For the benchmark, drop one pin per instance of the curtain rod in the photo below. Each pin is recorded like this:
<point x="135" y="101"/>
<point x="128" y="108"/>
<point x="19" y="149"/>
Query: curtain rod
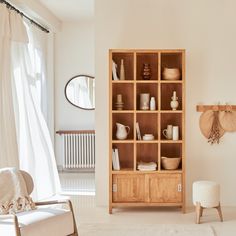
<point x="21" y="13"/>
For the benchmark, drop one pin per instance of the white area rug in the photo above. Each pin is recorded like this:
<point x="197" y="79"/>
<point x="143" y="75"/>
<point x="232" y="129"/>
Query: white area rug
<point x="144" y="230"/>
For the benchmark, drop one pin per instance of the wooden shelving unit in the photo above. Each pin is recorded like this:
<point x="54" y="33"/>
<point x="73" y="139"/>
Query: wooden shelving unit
<point x="129" y="186"/>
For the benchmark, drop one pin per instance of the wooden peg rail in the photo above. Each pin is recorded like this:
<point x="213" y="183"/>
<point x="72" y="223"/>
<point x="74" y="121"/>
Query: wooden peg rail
<point x="202" y="108"/>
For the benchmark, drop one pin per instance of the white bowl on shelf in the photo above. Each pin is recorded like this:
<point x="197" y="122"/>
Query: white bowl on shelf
<point x="171" y="73"/>
<point x="148" y="137"/>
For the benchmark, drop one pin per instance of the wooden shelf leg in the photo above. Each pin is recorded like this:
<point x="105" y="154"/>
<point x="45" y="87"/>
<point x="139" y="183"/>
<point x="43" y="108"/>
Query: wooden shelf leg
<point x="220" y="212"/>
<point x="198" y="212"/>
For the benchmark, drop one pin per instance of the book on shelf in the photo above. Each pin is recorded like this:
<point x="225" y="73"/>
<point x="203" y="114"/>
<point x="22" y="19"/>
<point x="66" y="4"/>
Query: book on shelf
<point x="138" y="131"/>
<point x="115" y="159"/>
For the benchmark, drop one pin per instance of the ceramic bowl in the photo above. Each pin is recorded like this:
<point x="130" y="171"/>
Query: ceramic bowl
<point x="148" y="137"/>
<point x="171" y="74"/>
<point x="170" y="163"/>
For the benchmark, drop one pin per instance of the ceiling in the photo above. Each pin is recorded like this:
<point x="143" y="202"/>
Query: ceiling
<point x="70" y="10"/>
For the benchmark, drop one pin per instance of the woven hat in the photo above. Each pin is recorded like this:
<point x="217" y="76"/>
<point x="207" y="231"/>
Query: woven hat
<point x="228" y="120"/>
<point x="205" y="123"/>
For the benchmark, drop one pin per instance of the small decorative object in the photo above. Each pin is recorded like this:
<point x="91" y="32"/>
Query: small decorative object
<point x="119" y="103"/>
<point x="122" y="70"/>
<point x="138" y="131"/>
<point x="216" y="120"/>
<point x="122" y="131"/>
<point x="171" y="73"/>
<point x="146" y="72"/>
<point x="170" y="163"/>
<point x="144" y="101"/>
<point x="168" y="133"/>
<point x="210" y="126"/>
<point x="214" y="136"/>
<point x="174" y="103"/>
<point x="152" y="104"/>
<point x="175" y="133"/>
<point x="148" y="137"/>
<point x="114" y="71"/>
<point x="227" y="119"/>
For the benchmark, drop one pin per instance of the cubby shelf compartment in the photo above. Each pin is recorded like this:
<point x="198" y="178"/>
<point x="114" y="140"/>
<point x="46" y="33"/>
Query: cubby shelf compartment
<point x="127" y="93"/>
<point x="147" y="152"/>
<point x="170" y="151"/>
<point x="148" y="123"/>
<point x="126" y="119"/>
<point x="126" y="155"/>
<point x="174" y="119"/>
<point x="167" y="93"/>
<point x="149" y="58"/>
<point x="150" y="88"/>
<point x="171" y="60"/>
<point x="128" y="64"/>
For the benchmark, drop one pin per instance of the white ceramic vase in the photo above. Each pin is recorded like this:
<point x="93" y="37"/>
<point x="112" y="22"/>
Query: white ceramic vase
<point x="122" y="70"/>
<point x="174" y="103"/>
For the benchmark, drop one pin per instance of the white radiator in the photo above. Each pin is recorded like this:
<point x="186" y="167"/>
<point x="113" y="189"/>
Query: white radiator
<point x="78" y="150"/>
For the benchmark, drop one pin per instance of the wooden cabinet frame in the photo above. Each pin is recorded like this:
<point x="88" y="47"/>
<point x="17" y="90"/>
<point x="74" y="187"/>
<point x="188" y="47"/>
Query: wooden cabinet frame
<point x="130" y="187"/>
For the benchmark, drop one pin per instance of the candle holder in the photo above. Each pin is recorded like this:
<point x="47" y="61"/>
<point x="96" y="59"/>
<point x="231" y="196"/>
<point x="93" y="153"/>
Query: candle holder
<point x="119" y="105"/>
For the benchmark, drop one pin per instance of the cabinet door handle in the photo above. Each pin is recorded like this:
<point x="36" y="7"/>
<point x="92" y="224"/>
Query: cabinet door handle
<point x="114" y="188"/>
<point x="179" y="188"/>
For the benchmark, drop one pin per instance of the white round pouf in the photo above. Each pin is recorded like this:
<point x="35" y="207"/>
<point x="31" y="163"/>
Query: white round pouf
<point x="207" y="193"/>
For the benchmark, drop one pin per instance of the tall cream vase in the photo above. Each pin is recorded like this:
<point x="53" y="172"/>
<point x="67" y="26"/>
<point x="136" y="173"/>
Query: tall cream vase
<point x="122" y="70"/>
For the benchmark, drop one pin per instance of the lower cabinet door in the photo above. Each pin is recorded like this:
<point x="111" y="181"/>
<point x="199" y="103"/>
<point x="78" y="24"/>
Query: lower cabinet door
<point x="128" y="188"/>
<point x="165" y="188"/>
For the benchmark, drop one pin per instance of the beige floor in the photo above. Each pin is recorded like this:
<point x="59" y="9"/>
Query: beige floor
<point x="81" y="189"/>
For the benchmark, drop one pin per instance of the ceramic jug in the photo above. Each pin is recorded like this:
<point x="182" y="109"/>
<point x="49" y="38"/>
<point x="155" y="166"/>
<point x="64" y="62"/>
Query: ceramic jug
<point x="122" y="131"/>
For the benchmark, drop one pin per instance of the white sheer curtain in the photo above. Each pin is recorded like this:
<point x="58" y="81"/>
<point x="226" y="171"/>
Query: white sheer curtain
<point x="35" y="148"/>
<point x="11" y="29"/>
<point x="25" y="62"/>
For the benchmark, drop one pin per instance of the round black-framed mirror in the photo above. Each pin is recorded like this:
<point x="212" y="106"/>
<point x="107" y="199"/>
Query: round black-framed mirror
<point x="80" y="92"/>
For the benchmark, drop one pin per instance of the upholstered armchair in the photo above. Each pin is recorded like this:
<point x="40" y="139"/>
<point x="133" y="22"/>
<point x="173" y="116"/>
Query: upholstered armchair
<point x="43" y="221"/>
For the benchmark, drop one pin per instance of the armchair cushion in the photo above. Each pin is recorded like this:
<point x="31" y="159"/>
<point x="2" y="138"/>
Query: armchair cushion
<point x="42" y="222"/>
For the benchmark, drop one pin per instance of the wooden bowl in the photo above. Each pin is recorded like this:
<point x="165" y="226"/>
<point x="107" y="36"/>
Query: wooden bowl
<point x="171" y="74"/>
<point x="170" y="163"/>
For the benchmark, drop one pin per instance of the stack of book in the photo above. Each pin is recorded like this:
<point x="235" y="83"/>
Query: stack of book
<point x="115" y="159"/>
<point x="147" y="166"/>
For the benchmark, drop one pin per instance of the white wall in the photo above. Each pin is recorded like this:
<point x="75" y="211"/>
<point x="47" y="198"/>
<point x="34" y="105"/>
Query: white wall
<point x="206" y="29"/>
<point x="74" y="55"/>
